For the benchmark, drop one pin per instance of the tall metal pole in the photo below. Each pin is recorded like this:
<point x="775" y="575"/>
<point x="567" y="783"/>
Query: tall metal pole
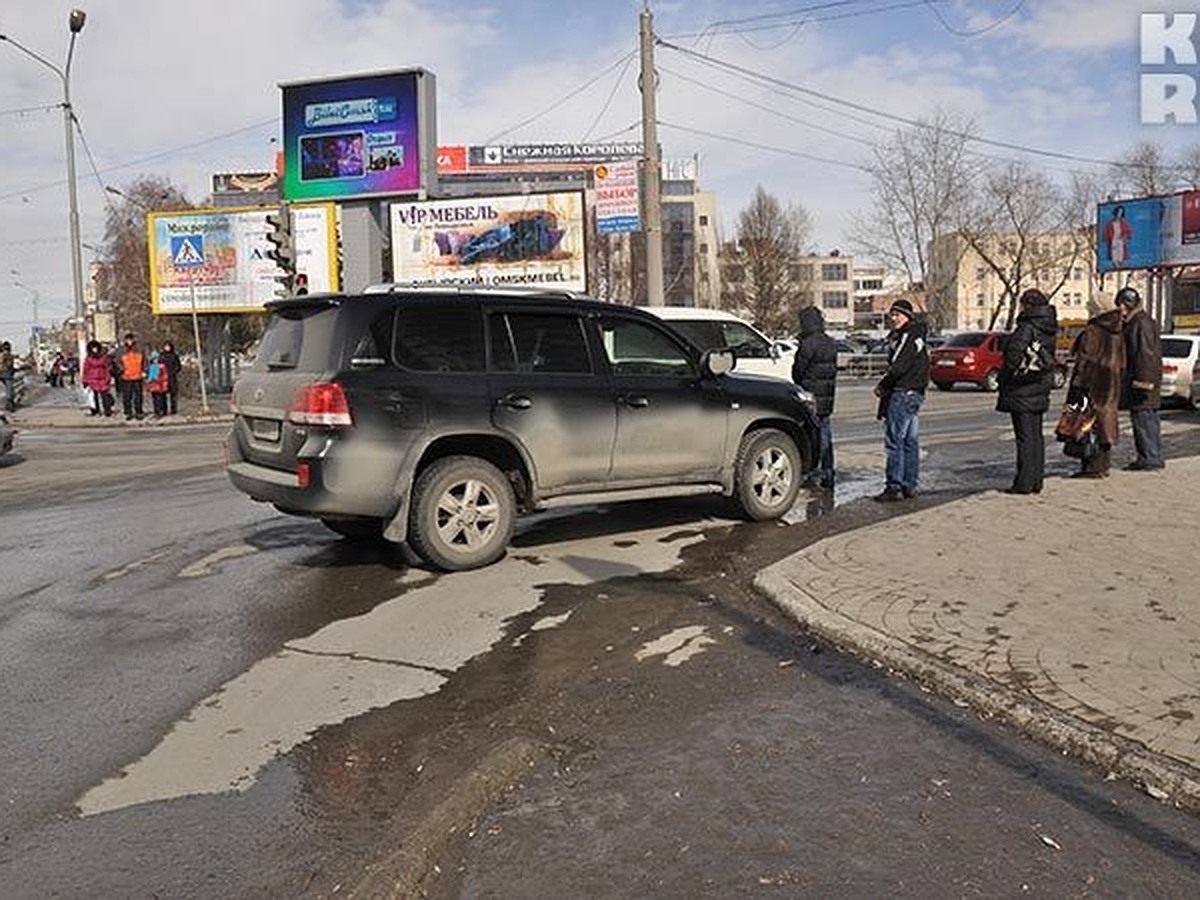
<point x="199" y="351"/>
<point x="73" y="202"/>
<point x="651" y="164"/>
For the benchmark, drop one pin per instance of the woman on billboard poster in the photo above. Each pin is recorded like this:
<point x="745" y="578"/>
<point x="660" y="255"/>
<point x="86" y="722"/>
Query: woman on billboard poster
<point x="1117" y="235"/>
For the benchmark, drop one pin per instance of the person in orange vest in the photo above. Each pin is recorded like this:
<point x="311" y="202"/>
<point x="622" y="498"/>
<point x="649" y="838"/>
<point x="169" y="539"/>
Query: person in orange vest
<point x="133" y="373"/>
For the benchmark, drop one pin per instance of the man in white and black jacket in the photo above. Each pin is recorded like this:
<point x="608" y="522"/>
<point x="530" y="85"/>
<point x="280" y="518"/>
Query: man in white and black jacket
<point x="901" y="392"/>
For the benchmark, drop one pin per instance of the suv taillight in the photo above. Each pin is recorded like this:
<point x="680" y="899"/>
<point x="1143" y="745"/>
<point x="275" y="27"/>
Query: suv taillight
<point x="969" y="358"/>
<point x="322" y="403"/>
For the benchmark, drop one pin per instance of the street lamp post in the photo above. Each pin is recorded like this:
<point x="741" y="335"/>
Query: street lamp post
<point x="75" y="22"/>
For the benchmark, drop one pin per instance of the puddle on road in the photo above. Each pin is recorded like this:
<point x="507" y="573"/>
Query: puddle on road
<point x="404" y="648"/>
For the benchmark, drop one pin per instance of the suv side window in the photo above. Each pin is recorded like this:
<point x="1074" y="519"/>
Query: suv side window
<point x="638" y="348"/>
<point x="746" y="343"/>
<point x="539" y="342"/>
<point x="440" y="338"/>
<point x="375" y="345"/>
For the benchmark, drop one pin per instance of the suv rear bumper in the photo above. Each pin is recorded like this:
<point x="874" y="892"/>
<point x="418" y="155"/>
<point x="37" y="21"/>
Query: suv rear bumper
<point x="282" y="489"/>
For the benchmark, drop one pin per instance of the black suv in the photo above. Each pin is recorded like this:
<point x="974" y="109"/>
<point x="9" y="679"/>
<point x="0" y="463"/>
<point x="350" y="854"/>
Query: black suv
<point x="434" y="416"/>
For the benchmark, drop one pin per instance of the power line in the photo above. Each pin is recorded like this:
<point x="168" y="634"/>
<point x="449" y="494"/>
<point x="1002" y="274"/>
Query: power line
<point x="785" y="151"/>
<point x="150" y="158"/>
<point x="976" y="32"/>
<point x="26" y="110"/>
<point x="553" y="106"/>
<point x="893" y="7"/>
<point x="892" y="117"/>
<point x="612" y="93"/>
<point x="775" y="112"/>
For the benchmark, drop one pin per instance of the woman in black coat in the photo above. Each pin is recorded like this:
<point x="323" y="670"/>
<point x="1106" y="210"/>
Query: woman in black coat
<point x="1025" y="382"/>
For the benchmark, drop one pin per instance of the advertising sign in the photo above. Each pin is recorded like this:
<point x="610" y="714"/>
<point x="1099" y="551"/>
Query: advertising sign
<point x="617" y="206"/>
<point x="1130" y="234"/>
<point x="223" y="254"/>
<point x="361" y="136"/>
<point x="524" y="239"/>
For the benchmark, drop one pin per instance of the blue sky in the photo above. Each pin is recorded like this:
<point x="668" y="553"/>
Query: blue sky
<point x="182" y="90"/>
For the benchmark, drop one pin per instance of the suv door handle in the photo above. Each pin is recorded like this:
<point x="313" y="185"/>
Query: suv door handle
<point x="515" y="401"/>
<point x="634" y="401"/>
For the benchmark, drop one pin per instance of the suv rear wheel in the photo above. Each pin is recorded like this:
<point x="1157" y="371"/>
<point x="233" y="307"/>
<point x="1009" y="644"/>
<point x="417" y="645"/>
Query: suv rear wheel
<point x="768" y="474"/>
<point x="463" y="513"/>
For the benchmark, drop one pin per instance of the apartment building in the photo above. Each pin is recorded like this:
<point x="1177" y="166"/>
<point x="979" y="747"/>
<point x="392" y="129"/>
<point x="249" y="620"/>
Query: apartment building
<point x="823" y="281"/>
<point x="964" y="290"/>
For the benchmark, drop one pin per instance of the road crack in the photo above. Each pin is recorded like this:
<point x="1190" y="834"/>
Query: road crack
<point x="361" y="657"/>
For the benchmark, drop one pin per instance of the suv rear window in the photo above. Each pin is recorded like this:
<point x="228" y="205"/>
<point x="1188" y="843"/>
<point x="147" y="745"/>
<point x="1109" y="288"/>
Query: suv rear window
<point x="440" y="339"/>
<point x="1175" y="348"/>
<point x="971" y="339"/>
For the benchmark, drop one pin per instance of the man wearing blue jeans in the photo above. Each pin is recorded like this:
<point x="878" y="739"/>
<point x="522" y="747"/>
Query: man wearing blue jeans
<point x="901" y="392"/>
<point x="1143" y="377"/>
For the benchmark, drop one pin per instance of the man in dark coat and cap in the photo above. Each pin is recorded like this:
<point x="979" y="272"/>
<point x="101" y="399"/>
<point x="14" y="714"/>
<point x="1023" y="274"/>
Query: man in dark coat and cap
<point x="901" y="392"/>
<point x="1025" y="382"/>
<point x="815" y="370"/>
<point x="1143" y="377"/>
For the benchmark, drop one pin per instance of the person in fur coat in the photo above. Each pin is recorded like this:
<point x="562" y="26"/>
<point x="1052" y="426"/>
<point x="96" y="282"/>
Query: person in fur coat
<point x="1099" y="372"/>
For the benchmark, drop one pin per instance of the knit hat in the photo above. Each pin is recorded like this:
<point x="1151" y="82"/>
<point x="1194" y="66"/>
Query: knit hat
<point x="1034" y="297"/>
<point x="1129" y="297"/>
<point x="901" y="306"/>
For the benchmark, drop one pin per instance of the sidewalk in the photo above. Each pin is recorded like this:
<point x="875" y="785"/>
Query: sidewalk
<point x="47" y="407"/>
<point x="1074" y="615"/>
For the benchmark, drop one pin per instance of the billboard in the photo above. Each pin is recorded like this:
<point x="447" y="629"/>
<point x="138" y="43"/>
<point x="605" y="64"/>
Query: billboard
<point x="360" y="136"/>
<point x="617" y="198"/>
<point x="1149" y="232"/>
<point x="523" y="239"/>
<point x="223" y="254"/>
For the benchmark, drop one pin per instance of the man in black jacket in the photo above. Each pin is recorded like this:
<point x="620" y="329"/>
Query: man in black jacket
<point x="1143" y="376"/>
<point x="815" y="370"/>
<point x="1025" y="382"/>
<point x="901" y="392"/>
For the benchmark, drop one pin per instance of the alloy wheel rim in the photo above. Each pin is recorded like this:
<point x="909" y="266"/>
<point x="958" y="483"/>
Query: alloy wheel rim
<point x="467" y="515"/>
<point x="772" y="476"/>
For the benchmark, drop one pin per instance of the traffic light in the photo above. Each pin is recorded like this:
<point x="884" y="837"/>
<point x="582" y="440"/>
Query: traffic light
<point x="283" y="249"/>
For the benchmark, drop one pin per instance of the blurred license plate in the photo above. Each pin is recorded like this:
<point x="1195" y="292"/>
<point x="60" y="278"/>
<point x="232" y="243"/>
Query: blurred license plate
<point x="945" y="362"/>
<point x="265" y="429"/>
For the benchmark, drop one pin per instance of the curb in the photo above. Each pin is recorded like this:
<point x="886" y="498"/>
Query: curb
<point x="174" y="422"/>
<point x="1163" y="778"/>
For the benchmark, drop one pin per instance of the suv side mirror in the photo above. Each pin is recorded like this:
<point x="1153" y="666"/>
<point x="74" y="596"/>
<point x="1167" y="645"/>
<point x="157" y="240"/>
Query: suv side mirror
<point x="718" y="362"/>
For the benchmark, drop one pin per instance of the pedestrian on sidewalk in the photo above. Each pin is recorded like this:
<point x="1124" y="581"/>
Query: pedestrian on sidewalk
<point x="156" y="381"/>
<point x="170" y="359"/>
<point x="901" y="392"/>
<point x="815" y="369"/>
<point x="133" y="374"/>
<point x="97" y="378"/>
<point x="58" y="369"/>
<point x="1025" y="382"/>
<point x="8" y="375"/>
<point x="1099" y="353"/>
<point x="1143" y="377"/>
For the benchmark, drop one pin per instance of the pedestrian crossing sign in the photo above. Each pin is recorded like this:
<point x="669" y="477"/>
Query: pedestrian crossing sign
<point x="187" y="251"/>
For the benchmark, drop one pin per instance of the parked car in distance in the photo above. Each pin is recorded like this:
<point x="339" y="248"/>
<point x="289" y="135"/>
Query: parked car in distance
<point x="976" y="357"/>
<point x="710" y="329"/>
<point x="434" y="416"/>
<point x="1180" y="368"/>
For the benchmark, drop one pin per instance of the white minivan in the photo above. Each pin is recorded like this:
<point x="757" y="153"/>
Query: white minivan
<point x="714" y="328"/>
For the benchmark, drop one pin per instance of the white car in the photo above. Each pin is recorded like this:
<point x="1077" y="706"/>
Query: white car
<point x="1180" y="368"/>
<point x="710" y="329"/>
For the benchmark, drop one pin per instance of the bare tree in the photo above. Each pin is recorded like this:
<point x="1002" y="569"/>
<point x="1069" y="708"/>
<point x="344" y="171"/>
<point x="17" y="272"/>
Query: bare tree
<point x="1189" y="168"/>
<point x="921" y="179"/>
<point x="125" y="277"/>
<point x="1026" y="230"/>
<point x="767" y="280"/>
<point x="1144" y="171"/>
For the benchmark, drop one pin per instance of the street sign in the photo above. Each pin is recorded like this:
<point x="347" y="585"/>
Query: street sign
<point x="187" y="251"/>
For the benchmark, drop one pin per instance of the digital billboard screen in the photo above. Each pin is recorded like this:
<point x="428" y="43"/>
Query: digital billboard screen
<point x="359" y="136"/>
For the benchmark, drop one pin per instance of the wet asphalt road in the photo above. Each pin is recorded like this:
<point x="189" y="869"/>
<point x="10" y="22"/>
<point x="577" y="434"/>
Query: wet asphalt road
<point x="205" y="698"/>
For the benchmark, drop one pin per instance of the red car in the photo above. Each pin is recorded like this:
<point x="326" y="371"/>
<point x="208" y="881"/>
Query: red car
<point x="977" y="357"/>
<point x="973" y="356"/>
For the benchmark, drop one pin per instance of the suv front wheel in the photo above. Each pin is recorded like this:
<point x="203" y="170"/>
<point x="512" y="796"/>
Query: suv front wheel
<point x="463" y="513"/>
<point x="768" y="474"/>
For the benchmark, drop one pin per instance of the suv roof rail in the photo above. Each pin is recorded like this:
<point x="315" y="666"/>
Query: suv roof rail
<point x="514" y="290"/>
